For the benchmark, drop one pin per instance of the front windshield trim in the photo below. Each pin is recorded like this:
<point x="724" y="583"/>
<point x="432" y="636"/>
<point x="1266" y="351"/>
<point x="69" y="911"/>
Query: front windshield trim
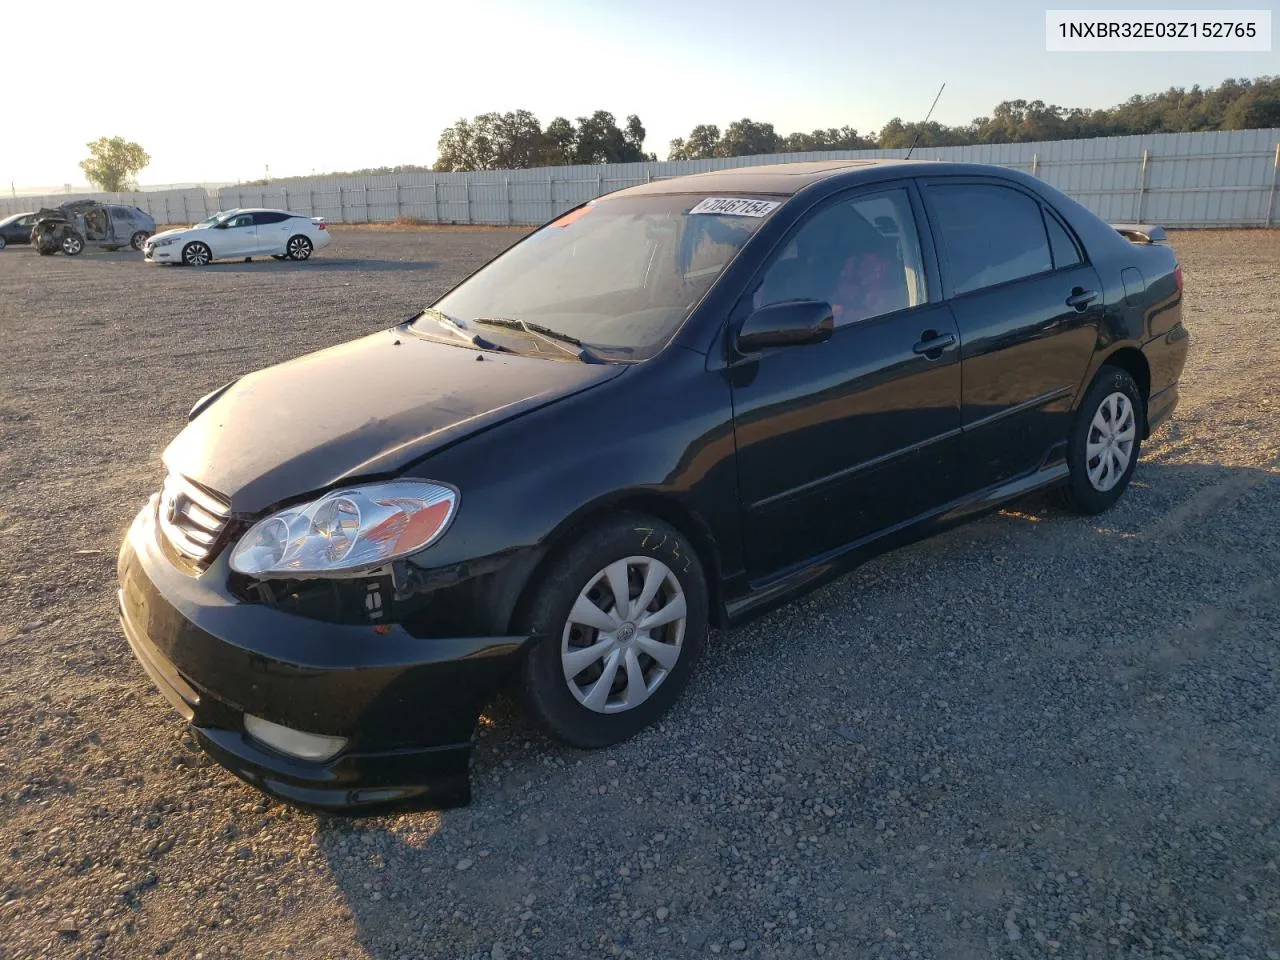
<point x="608" y="352"/>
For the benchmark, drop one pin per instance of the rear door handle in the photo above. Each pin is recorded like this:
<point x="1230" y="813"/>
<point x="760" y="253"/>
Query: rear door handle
<point x="934" y="345"/>
<point x="1081" y="298"/>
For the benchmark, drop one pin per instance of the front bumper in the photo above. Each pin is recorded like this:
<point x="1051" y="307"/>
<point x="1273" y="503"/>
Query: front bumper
<point x="169" y="253"/>
<point x="408" y="706"/>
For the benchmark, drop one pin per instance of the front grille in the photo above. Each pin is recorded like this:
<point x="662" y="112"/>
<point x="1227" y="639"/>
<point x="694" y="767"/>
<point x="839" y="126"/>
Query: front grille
<point x="191" y="518"/>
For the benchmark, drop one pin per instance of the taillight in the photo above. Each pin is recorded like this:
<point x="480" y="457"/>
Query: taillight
<point x="322" y="227"/>
<point x="1177" y="276"/>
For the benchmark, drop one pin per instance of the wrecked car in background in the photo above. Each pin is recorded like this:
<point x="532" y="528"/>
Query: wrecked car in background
<point x="71" y="226"/>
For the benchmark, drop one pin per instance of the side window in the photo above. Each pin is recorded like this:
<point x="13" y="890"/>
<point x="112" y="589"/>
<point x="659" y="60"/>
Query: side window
<point x="243" y="220"/>
<point x="1065" y="251"/>
<point x="122" y="213"/>
<point x="990" y="235"/>
<point x="264" y="219"/>
<point x="862" y="256"/>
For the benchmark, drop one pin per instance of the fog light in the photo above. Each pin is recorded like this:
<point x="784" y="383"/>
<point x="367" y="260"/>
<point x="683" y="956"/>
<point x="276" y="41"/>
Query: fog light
<point x="307" y="746"/>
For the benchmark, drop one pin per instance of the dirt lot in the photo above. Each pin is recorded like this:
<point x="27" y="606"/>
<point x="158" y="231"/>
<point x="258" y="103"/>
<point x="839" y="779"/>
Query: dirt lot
<point x="1072" y="749"/>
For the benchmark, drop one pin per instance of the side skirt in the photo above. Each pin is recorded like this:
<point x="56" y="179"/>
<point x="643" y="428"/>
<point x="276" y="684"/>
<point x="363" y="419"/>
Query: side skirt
<point x="766" y="595"/>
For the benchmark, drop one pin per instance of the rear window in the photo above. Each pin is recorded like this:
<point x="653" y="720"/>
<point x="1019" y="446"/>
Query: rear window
<point x="990" y="234"/>
<point x="262" y="219"/>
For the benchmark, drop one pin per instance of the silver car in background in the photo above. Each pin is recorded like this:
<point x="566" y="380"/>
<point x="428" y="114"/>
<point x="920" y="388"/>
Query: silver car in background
<point x="72" y="226"/>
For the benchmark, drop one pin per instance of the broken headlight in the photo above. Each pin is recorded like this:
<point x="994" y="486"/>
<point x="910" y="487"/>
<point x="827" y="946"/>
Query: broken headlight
<point x="348" y="532"/>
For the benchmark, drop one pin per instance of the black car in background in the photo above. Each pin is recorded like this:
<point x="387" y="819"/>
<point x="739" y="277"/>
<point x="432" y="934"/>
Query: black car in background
<point x="16" y="228"/>
<point x="673" y="407"/>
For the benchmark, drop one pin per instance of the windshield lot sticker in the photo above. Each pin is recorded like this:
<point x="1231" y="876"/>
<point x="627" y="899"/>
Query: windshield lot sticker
<point x="736" y="207"/>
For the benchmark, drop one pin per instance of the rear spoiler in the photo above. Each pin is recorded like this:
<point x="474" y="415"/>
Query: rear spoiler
<point x="1141" y="232"/>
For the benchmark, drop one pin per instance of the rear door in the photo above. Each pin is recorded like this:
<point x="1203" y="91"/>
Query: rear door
<point x="273" y="231"/>
<point x="122" y="226"/>
<point x="1028" y="305"/>
<point x="840" y="440"/>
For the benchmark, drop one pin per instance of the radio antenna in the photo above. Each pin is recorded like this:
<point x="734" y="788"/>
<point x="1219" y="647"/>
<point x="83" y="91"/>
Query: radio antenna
<point x="926" y="120"/>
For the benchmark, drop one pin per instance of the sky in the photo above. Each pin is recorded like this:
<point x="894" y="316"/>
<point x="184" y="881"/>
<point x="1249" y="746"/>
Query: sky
<point x="231" y="91"/>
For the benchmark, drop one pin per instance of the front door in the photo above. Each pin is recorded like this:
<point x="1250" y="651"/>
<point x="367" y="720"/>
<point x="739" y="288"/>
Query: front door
<point x="837" y="441"/>
<point x="1028" y="306"/>
<point x="239" y="238"/>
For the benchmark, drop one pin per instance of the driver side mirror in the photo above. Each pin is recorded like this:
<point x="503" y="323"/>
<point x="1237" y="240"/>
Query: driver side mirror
<point x="787" y="324"/>
<point x="221" y="225"/>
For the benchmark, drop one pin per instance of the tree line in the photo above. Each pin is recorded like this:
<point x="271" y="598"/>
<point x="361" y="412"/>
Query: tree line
<point x="517" y="140"/>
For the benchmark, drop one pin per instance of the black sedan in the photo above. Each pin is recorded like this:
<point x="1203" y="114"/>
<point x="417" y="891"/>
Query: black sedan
<point x="17" y="228"/>
<point x="673" y="407"/>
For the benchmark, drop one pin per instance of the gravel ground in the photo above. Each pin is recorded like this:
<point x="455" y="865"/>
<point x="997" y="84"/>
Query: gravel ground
<point x="1072" y="750"/>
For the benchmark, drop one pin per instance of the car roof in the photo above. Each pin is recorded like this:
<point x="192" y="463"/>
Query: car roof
<point x="788" y="178"/>
<point x="265" y="210"/>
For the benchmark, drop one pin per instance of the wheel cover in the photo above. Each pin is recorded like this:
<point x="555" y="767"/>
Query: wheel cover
<point x="197" y="255"/>
<point x="299" y="248"/>
<point x="1109" y="445"/>
<point x="624" y="634"/>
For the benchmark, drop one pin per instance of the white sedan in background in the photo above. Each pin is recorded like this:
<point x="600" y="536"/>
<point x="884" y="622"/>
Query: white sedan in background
<point x="240" y="235"/>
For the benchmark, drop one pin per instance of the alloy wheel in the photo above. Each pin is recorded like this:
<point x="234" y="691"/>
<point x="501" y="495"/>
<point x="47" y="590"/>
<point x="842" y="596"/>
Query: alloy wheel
<point x="196" y="255"/>
<point x="72" y="245"/>
<point x="1109" y="446"/>
<point x="299" y="248"/>
<point x="624" y="634"/>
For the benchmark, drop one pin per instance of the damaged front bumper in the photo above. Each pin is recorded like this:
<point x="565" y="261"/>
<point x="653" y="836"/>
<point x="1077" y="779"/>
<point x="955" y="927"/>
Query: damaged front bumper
<point x="403" y="707"/>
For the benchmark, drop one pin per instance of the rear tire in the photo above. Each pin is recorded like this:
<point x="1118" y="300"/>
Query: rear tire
<point x="600" y="673"/>
<point x="138" y="239"/>
<point x="1105" y="443"/>
<point x="298" y="248"/>
<point x="73" y="245"/>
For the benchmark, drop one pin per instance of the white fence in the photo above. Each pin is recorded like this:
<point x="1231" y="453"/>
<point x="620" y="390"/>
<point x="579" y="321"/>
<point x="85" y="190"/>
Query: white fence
<point x="1177" y="179"/>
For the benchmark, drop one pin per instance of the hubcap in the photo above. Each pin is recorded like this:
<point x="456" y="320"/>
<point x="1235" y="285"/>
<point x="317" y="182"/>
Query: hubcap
<point x="624" y="634"/>
<point x="1109" y="446"/>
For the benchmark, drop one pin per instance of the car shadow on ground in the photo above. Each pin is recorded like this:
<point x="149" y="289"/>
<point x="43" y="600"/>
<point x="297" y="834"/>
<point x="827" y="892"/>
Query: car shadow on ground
<point x="426" y="882"/>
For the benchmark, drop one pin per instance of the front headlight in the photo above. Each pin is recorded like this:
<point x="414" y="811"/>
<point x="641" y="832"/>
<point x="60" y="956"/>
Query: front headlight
<point x="347" y="532"/>
<point x="165" y="242"/>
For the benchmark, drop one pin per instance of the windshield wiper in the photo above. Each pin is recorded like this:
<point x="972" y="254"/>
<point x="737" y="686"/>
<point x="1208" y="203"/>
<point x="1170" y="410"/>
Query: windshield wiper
<point x="457" y="326"/>
<point x="562" y="341"/>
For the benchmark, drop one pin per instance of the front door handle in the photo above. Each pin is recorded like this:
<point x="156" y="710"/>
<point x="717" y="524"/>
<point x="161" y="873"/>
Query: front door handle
<point x="933" y="344"/>
<point x="1081" y="298"/>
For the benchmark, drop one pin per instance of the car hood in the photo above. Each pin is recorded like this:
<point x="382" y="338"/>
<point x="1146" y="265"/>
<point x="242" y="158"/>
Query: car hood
<point x="170" y="233"/>
<point x="361" y="409"/>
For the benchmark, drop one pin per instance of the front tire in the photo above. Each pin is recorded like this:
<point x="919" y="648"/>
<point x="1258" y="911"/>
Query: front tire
<point x="298" y="248"/>
<point x="196" y="254"/>
<point x="622" y="619"/>
<point x="1105" y="442"/>
<point x="2" y="243"/>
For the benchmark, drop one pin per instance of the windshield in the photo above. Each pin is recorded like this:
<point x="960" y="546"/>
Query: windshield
<point x="619" y="275"/>
<point x="210" y="221"/>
